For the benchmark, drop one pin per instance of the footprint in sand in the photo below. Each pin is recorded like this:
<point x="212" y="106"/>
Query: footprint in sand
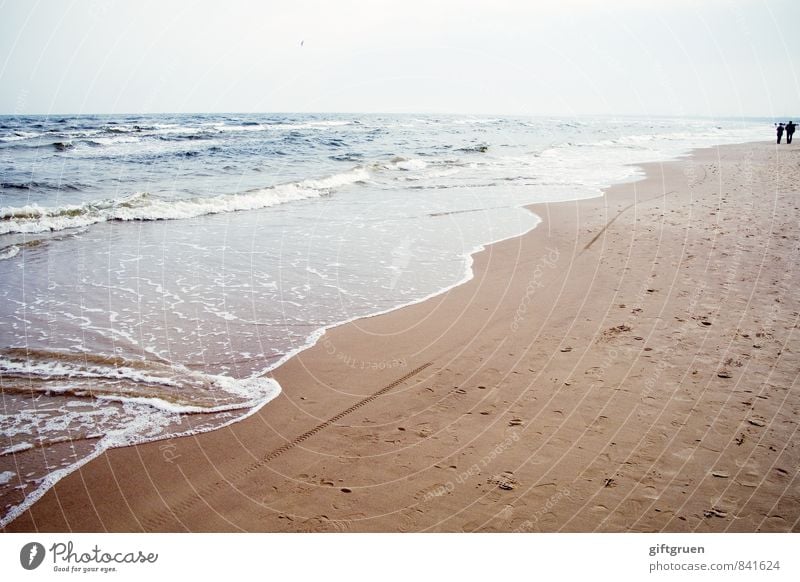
<point x="506" y="514"/>
<point x="407" y="520"/>
<point x="343" y="504"/>
<point x="423" y="430"/>
<point x="322" y="523"/>
<point x="505" y="481"/>
<point x="491" y="497"/>
<point x="648" y="492"/>
<point x="432" y="492"/>
<point x="632" y="507"/>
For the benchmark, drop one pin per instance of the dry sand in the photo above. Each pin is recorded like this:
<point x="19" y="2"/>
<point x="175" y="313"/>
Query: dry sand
<point x="629" y="365"/>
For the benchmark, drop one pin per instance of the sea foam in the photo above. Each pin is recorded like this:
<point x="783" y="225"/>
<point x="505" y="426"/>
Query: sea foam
<point x="144" y="207"/>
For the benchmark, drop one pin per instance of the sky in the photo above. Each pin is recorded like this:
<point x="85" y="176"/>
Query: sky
<point x="716" y="58"/>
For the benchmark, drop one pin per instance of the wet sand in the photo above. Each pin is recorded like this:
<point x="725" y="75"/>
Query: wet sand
<point x="629" y="365"/>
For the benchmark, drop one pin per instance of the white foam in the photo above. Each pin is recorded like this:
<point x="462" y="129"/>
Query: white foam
<point x="444" y="173"/>
<point x="476" y="121"/>
<point x="409" y="165"/>
<point x="311" y="124"/>
<point x="16" y="448"/>
<point x="9" y="252"/>
<point x="230" y="128"/>
<point x="57" y="369"/>
<point x="19" y="135"/>
<point x="405" y="164"/>
<point x="174" y="408"/>
<point x="108" y="141"/>
<point x="6" y="476"/>
<point x="143" y="430"/>
<point x="141" y="206"/>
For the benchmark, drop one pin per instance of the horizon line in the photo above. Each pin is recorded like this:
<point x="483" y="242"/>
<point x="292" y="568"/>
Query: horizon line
<point x="480" y="114"/>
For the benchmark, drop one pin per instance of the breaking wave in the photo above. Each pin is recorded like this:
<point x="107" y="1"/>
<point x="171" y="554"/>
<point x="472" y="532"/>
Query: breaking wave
<point x="144" y="207"/>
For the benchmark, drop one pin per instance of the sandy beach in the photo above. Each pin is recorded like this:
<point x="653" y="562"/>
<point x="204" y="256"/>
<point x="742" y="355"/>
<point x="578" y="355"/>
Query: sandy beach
<point x="631" y="364"/>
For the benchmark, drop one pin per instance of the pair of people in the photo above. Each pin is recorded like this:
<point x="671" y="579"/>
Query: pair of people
<point x="789" y="128"/>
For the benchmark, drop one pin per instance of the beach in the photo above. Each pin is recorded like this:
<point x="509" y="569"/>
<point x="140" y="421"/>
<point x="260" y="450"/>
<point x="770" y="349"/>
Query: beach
<point x="630" y="364"/>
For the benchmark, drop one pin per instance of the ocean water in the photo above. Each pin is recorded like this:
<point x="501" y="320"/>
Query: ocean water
<point x="154" y="268"/>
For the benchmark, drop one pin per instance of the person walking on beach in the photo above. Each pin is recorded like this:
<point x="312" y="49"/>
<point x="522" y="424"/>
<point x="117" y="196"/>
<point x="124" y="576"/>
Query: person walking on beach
<point x="790" y="131"/>
<point x="780" y="132"/>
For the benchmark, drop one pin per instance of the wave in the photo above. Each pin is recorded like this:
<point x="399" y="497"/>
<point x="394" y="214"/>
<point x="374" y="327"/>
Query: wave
<point x="16" y="448"/>
<point x="122" y="128"/>
<point x="224" y="128"/>
<point x="19" y="135"/>
<point x="477" y="121"/>
<point x="311" y="124"/>
<point x="144" y="207"/>
<point x="124" y="412"/>
<point x="481" y="148"/>
<point x="9" y="252"/>
<point x="108" y="141"/>
<point x="115" y="134"/>
<point x="40" y="185"/>
<point x="348" y="157"/>
<point x="403" y="164"/>
<point x="157" y="384"/>
<point x="643" y="141"/>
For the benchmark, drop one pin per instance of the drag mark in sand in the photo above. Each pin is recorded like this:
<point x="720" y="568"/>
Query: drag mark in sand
<point x="160" y="518"/>
<point x="628" y="207"/>
<point x="297" y="440"/>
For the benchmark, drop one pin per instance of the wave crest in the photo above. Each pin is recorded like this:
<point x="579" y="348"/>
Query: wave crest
<point x="142" y="206"/>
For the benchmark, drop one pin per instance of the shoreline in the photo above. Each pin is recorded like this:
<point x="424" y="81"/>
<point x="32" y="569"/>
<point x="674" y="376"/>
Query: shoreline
<point x="315" y="399"/>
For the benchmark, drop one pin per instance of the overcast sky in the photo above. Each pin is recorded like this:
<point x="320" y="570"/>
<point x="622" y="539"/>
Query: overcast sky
<point x="638" y="57"/>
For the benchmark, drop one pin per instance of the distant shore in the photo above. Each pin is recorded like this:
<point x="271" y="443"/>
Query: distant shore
<point x="628" y="365"/>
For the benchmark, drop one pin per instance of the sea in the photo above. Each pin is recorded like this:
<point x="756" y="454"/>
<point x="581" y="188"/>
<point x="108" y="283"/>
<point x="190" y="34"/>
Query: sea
<point x="155" y="268"/>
